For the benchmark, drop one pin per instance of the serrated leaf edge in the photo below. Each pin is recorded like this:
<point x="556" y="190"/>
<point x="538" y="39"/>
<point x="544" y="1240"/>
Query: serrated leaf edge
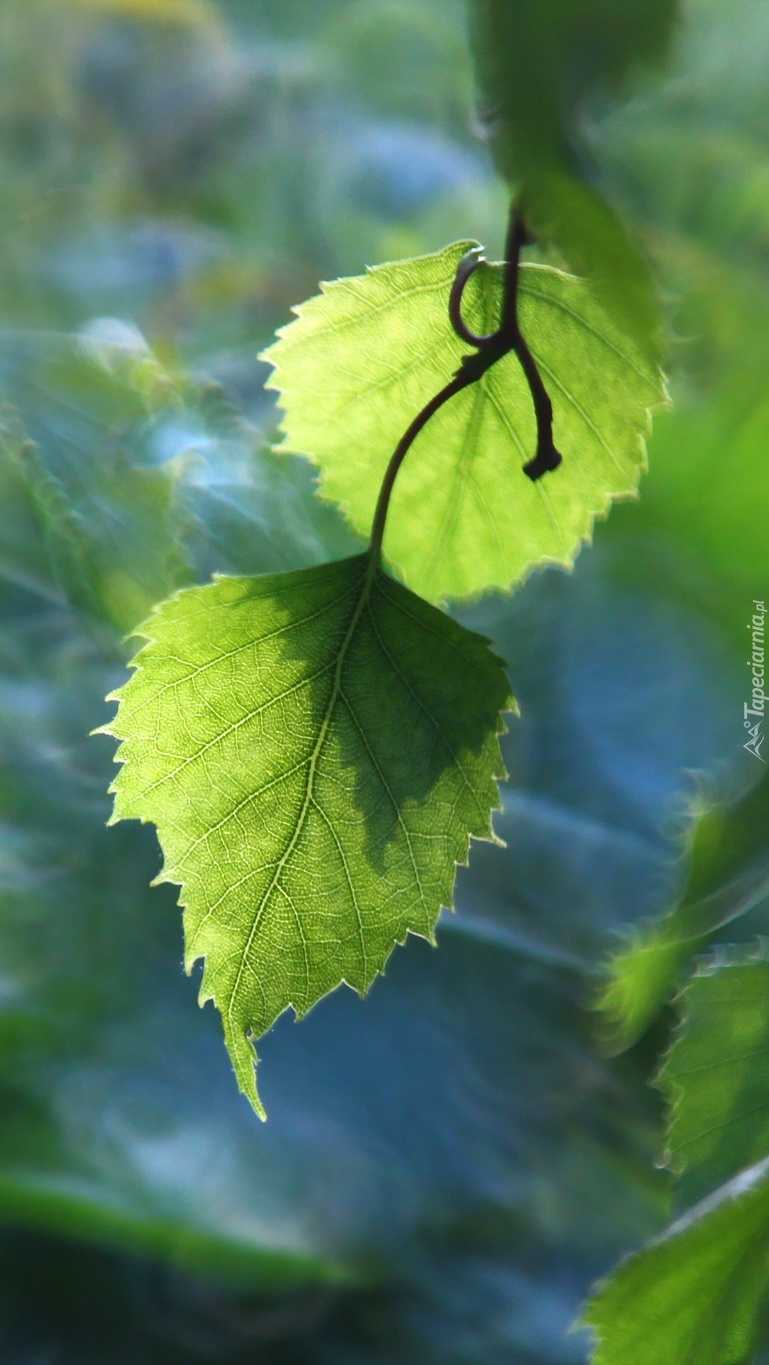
<point x="245" y="1047"/>
<point x="593" y="516"/>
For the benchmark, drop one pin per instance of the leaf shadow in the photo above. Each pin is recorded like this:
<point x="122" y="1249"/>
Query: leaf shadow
<point x="409" y="717"/>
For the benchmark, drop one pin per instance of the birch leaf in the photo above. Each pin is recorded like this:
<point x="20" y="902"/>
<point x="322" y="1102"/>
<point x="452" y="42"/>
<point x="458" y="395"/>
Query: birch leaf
<point x="315" y="749"/>
<point x="367" y="354"/>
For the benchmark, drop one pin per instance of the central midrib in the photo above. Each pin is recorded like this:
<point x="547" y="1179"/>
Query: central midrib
<point x="312" y="765"/>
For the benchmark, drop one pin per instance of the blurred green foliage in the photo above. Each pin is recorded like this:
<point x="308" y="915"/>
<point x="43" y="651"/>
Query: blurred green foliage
<point x="714" y="1075"/>
<point x="447" y="1166"/>
<point x="725" y="845"/>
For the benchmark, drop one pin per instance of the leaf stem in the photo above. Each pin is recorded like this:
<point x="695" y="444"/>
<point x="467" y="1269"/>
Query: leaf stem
<point x="460" y="381"/>
<point x="488" y="350"/>
<point x="518" y="237"/>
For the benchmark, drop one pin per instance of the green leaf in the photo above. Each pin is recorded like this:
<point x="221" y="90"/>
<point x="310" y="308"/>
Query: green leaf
<point x="538" y="64"/>
<point x="716" y="1075"/>
<point x="365" y="356"/>
<point x="694" y="1296"/>
<point x="592" y="241"/>
<point x="315" y="749"/>
<point x="727" y="846"/>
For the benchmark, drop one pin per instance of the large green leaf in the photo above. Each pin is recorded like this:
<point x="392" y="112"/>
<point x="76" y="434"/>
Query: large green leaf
<point x="315" y="749"/>
<point x="694" y="1296"/>
<point x="728" y="851"/>
<point x="716" y="1075"/>
<point x="365" y="356"/>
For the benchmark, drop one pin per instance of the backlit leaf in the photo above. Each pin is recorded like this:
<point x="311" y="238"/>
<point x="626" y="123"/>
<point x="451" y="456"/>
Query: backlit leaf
<point x="363" y="358"/>
<point x="315" y="749"/>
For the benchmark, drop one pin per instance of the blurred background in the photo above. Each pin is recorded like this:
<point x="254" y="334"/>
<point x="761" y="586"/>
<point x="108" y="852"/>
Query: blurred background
<point x="448" y="1165"/>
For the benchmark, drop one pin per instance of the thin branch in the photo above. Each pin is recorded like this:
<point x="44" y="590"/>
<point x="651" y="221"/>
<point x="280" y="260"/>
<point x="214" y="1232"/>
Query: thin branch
<point x="546" y="457"/>
<point x="517" y="238"/>
<point x="408" y="438"/>
<point x="489" y="349"/>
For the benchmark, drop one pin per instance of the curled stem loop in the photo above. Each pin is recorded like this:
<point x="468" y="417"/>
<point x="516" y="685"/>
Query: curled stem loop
<point x="467" y="267"/>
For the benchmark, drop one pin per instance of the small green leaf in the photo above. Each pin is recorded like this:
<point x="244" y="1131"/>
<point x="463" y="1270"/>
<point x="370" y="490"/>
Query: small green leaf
<point x="728" y="852"/>
<point x="716" y="1075"/>
<point x="367" y="354"/>
<point x="315" y="749"/>
<point x="692" y="1297"/>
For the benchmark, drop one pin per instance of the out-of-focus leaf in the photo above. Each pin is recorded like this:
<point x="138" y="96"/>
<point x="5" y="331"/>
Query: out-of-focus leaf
<point x="130" y="477"/>
<point x="315" y="749"/>
<point x="728" y="854"/>
<point x="696" y="1295"/>
<point x="587" y="234"/>
<point x="538" y="64"/>
<point x="711" y="475"/>
<point x="108" y="510"/>
<point x="364" y="357"/>
<point x="716" y="1075"/>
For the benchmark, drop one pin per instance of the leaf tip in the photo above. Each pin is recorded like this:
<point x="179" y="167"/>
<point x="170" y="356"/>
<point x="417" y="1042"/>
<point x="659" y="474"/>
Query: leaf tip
<point x="244" y="1061"/>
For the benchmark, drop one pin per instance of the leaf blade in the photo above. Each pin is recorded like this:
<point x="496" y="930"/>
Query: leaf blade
<point x="362" y="359"/>
<point x="264" y="733"/>
<point x="694" y="1295"/>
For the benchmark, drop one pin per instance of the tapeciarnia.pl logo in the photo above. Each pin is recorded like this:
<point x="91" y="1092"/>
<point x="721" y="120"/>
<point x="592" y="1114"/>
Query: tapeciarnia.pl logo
<point x="753" y="711"/>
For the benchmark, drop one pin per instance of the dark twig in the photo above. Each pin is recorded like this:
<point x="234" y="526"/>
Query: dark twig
<point x="467" y="267"/>
<point x="459" y="382"/>
<point x="488" y="350"/>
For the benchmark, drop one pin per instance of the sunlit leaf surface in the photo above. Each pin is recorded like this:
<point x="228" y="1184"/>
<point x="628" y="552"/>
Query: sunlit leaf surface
<point x="364" y="357"/>
<point x="315" y="749"/>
